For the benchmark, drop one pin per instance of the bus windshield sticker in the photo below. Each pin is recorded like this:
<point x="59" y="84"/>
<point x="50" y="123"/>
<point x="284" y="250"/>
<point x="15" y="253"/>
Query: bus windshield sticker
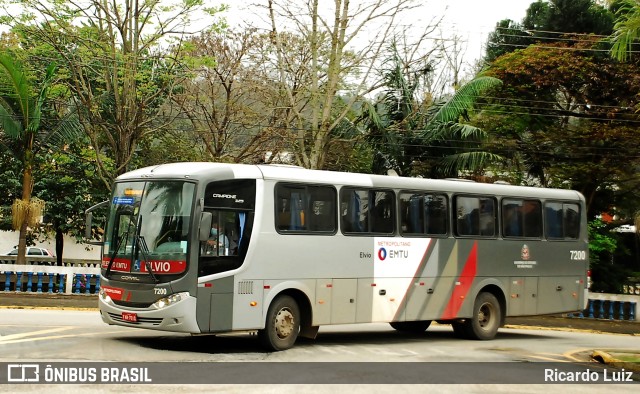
<point x="123" y="200"/>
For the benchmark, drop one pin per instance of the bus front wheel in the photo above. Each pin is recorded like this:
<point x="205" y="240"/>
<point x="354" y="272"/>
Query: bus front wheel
<point x="486" y="318"/>
<point x="282" y="324"/>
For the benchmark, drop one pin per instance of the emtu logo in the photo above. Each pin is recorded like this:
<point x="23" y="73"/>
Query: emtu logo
<point x="382" y="254"/>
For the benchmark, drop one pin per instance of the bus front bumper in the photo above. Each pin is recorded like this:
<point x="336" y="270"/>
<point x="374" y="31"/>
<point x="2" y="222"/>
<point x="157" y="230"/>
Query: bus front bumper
<point x="178" y="317"/>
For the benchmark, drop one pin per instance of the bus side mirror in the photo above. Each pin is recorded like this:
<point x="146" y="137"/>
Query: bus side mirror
<point x="88" y="236"/>
<point x="205" y="226"/>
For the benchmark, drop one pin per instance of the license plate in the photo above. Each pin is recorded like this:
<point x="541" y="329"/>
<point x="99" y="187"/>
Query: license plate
<point x="130" y="317"/>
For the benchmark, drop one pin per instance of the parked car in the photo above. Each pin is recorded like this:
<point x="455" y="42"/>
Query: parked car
<point x="32" y="252"/>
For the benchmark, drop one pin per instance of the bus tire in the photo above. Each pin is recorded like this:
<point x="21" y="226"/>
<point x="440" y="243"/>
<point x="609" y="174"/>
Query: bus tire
<point x="486" y="318"/>
<point x="411" y="326"/>
<point x="282" y="324"/>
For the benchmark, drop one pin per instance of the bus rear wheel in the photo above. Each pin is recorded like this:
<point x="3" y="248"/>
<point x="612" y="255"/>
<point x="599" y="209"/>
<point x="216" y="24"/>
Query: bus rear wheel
<point x="486" y="318"/>
<point x="411" y="326"/>
<point x="282" y="324"/>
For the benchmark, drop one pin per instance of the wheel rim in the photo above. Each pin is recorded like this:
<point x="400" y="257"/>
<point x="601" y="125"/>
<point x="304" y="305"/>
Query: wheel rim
<point x="284" y="323"/>
<point x="486" y="315"/>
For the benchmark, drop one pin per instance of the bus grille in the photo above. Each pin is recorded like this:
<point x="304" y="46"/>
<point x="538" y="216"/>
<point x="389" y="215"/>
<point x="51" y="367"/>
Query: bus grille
<point x="245" y="287"/>
<point x="154" y="321"/>
<point x="132" y="304"/>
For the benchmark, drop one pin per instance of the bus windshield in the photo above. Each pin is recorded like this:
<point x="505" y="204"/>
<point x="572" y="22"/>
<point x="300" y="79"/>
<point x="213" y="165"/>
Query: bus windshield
<point x="148" y="228"/>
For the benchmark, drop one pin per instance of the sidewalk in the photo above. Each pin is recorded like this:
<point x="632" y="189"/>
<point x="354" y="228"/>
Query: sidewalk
<point x="46" y="300"/>
<point x="594" y="325"/>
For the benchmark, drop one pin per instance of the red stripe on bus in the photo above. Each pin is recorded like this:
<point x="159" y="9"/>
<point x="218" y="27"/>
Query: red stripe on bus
<point x="460" y="291"/>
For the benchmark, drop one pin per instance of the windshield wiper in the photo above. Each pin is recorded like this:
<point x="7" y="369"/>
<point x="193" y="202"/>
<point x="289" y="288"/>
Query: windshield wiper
<point x="114" y="254"/>
<point x="142" y="245"/>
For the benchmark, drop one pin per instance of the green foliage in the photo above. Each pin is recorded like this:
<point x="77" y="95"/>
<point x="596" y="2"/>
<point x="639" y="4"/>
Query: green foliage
<point x="69" y="184"/>
<point x="567" y="122"/>
<point x="601" y="239"/>
<point x="608" y="276"/>
<point x="545" y="22"/>
<point x="626" y="30"/>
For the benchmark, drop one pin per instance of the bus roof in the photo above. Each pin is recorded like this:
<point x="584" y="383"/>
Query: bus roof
<point x="208" y="170"/>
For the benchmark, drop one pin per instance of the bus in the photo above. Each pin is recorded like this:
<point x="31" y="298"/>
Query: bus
<point x="281" y="250"/>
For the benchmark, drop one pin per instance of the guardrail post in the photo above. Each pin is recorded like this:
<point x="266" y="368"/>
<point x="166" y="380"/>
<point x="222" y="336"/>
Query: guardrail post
<point x="51" y="282"/>
<point x="7" y="282"/>
<point x="39" y="287"/>
<point x="29" y="281"/>
<point x="18" y="281"/>
<point x="591" y="302"/>
<point x="61" y="285"/>
<point x="632" y="311"/>
<point x="611" y="310"/>
<point x="621" y="316"/>
<point x="97" y="289"/>
<point x="88" y="283"/>
<point x="601" y="316"/>
<point x="78" y="283"/>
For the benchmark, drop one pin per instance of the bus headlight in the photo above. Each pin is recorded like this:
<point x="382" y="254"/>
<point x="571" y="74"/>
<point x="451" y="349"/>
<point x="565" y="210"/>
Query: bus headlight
<point x="104" y="296"/>
<point x="169" y="300"/>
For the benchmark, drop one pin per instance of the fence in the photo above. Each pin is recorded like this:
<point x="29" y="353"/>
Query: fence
<point x="42" y="275"/>
<point x="610" y="306"/>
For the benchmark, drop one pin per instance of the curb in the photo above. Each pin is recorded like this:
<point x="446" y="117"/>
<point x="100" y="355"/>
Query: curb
<point x="606" y="358"/>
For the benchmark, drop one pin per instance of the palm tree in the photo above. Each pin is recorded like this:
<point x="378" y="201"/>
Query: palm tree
<point x="389" y="123"/>
<point x="443" y="128"/>
<point x="627" y="28"/>
<point x="402" y="133"/>
<point x="20" y="120"/>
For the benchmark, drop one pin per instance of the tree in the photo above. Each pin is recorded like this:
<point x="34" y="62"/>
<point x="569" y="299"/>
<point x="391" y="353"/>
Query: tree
<point x="334" y="62"/>
<point x="409" y="134"/>
<point x="444" y="127"/>
<point x="229" y="102"/>
<point x="508" y="36"/>
<point x="626" y="29"/>
<point x="546" y="22"/>
<point x="571" y="119"/>
<point x="20" y="119"/>
<point x="69" y="183"/>
<point x="120" y="70"/>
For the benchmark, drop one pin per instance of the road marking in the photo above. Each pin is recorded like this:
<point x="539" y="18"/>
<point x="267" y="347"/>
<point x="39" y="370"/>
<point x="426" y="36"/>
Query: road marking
<point x="5" y="338"/>
<point x="19" y="338"/>
<point x="549" y="358"/>
<point x="571" y="354"/>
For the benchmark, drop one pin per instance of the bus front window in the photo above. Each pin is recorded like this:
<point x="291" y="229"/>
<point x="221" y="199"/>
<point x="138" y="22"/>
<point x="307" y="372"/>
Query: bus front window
<point x="149" y="227"/>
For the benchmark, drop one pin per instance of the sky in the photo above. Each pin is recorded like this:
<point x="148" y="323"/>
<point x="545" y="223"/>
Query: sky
<point x="472" y="20"/>
<point x="475" y="19"/>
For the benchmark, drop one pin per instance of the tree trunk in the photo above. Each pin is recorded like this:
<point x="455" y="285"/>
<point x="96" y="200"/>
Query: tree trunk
<point x="27" y="180"/>
<point x="59" y="246"/>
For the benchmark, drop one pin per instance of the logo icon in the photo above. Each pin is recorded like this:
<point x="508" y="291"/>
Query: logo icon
<point x="524" y="254"/>
<point x="23" y="373"/>
<point x="382" y="253"/>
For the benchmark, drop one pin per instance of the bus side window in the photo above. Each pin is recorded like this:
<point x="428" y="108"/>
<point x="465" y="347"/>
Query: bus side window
<point x="571" y="221"/>
<point x="475" y="216"/>
<point x="305" y="208"/>
<point x="382" y="212"/>
<point x="554" y="220"/>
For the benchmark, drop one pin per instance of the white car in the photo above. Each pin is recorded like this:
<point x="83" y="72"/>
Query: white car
<point x="33" y="251"/>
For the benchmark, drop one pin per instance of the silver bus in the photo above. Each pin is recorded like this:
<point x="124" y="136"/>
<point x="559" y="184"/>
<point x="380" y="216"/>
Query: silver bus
<point x="213" y="248"/>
